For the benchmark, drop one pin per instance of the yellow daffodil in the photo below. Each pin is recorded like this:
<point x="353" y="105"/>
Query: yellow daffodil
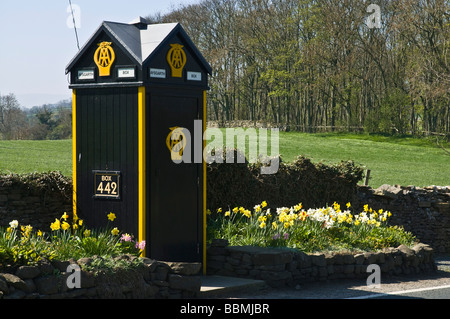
<point x="56" y="225"/>
<point x="115" y="232"/>
<point x="65" y="226"/>
<point x="112" y="216"/>
<point x="65" y="216"/>
<point x="263" y="204"/>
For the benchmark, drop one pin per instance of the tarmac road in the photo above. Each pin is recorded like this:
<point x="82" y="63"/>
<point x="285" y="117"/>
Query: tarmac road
<point x="426" y="286"/>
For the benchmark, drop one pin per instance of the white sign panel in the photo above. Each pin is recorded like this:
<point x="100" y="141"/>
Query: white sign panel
<point x="194" y="76"/>
<point x="86" y="75"/>
<point x="126" y="73"/>
<point x="158" y="73"/>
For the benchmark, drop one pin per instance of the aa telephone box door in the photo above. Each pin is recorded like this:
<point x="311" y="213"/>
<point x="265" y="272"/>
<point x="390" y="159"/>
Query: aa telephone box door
<point x="175" y="225"/>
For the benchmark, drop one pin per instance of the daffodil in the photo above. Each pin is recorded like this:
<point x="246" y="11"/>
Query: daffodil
<point x="115" y="231"/>
<point x="262" y="219"/>
<point x="65" y="226"/>
<point x="65" y="216"/>
<point x="14" y="224"/>
<point x="247" y="213"/>
<point x="56" y="225"/>
<point x="112" y="216"/>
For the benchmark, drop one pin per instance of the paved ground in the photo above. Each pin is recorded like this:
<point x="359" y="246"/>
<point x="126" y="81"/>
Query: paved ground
<point x="433" y="286"/>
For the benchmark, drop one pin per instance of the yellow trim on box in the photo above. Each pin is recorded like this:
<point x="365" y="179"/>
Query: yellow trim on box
<point x="74" y="149"/>
<point x="204" y="186"/>
<point x="142" y="165"/>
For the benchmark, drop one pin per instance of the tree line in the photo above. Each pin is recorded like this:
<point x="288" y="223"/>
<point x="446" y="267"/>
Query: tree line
<point x="310" y="64"/>
<point x="49" y="121"/>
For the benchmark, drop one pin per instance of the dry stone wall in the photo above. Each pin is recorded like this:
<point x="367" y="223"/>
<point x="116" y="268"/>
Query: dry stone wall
<point x="151" y="280"/>
<point x="425" y="212"/>
<point x="35" y="199"/>
<point x="282" y="267"/>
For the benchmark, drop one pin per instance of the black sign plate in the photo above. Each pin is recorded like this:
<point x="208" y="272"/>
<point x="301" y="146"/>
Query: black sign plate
<point x="106" y="185"/>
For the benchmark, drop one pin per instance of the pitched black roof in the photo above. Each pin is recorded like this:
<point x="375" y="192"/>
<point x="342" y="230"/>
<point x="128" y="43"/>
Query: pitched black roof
<point x="140" y="41"/>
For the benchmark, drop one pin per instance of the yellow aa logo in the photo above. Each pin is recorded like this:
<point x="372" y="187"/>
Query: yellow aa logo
<point x="176" y="142"/>
<point x="177" y="60"/>
<point x="104" y="57"/>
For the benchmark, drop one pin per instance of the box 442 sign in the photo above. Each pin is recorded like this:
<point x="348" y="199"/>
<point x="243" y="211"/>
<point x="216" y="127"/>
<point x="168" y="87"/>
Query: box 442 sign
<point x="107" y="185"/>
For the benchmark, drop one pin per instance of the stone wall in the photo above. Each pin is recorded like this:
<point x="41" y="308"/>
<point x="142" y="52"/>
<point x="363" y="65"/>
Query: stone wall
<point x="151" y="280"/>
<point x="425" y="212"/>
<point x="282" y="267"/>
<point x="35" y="199"/>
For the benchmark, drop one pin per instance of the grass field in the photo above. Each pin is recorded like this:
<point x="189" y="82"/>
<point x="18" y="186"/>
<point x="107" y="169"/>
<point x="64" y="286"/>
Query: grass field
<point x="40" y="156"/>
<point x="392" y="160"/>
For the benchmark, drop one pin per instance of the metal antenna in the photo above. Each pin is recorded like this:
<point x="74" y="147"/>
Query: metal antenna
<point x="74" y="25"/>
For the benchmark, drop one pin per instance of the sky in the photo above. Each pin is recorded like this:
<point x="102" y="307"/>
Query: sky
<point x="36" y="42"/>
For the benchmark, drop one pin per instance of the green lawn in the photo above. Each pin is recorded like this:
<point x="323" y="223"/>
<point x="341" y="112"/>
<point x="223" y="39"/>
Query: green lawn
<point x="404" y="161"/>
<point x="36" y="156"/>
<point x="392" y="160"/>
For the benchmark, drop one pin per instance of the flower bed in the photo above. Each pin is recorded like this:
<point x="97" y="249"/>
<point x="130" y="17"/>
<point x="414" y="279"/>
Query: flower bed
<point x="329" y="228"/>
<point x="22" y="245"/>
